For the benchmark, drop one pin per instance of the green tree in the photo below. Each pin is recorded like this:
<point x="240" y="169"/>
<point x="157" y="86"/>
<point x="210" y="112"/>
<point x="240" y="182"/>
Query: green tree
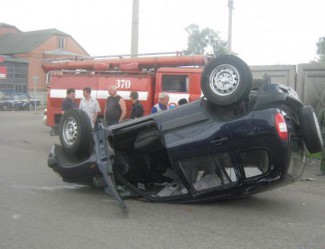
<point x="321" y="49"/>
<point x="204" y="41"/>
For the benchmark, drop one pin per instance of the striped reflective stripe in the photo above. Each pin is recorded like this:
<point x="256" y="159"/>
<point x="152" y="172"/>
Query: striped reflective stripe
<point x="100" y="94"/>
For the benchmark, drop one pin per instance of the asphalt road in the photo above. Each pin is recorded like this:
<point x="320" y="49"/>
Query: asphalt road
<point x="39" y="211"/>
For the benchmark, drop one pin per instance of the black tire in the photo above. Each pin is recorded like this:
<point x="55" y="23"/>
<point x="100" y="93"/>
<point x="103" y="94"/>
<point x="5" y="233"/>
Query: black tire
<point x="310" y="129"/>
<point x="226" y="81"/>
<point x="75" y="133"/>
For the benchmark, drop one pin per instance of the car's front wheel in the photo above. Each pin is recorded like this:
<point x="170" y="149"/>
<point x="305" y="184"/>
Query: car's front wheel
<point x="75" y="133"/>
<point x="226" y="81"/>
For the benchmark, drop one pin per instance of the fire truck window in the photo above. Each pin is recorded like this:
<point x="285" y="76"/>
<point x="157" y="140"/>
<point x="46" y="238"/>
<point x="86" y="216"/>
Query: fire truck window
<point x="175" y="83"/>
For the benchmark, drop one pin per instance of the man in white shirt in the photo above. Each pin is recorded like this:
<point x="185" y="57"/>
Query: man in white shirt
<point x="89" y="105"/>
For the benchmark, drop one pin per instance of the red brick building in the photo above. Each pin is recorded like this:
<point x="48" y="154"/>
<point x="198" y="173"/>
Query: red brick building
<point x="24" y="52"/>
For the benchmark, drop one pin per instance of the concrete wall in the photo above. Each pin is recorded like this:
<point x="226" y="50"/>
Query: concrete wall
<point x="307" y="79"/>
<point x="282" y="74"/>
<point x="311" y="85"/>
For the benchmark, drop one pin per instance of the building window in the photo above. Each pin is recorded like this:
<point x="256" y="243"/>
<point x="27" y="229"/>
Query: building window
<point x="61" y="43"/>
<point x="16" y="79"/>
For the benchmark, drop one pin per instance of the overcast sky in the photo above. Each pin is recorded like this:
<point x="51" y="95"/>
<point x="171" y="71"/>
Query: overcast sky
<point x="264" y="31"/>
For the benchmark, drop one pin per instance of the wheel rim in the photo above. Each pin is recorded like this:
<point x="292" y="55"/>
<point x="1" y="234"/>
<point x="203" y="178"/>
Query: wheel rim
<point x="224" y="80"/>
<point x="70" y="131"/>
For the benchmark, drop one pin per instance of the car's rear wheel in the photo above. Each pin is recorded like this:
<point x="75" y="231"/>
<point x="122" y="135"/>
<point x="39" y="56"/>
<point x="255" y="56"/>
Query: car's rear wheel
<point x="75" y="133"/>
<point x="226" y="81"/>
<point x="310" y="129"/>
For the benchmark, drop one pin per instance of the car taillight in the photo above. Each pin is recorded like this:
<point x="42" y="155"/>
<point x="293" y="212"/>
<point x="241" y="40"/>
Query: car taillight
<point x="281" y="126"/>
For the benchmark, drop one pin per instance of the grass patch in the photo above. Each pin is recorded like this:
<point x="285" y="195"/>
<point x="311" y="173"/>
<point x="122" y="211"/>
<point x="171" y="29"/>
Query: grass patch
<point x="313" y="155"/>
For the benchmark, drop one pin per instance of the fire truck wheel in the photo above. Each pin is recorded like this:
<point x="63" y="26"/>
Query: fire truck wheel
<point x="310" y="129"/>
<point x="75" y="133"/>
<point x="226" y="81"/>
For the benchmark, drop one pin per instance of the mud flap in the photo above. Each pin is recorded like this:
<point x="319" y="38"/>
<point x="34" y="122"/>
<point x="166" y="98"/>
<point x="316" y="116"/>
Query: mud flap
<point x="104" y="157"/>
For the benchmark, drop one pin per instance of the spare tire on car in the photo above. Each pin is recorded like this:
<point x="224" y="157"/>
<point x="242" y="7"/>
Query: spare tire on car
<point x="75" y="133"/>
<point x="310" y="129"/>
<point x="226" y="81"/>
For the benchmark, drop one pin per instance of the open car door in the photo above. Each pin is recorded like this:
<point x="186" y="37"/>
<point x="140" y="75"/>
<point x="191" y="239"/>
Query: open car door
<point x="78" y="139"/>
<point x="104" y="158"/>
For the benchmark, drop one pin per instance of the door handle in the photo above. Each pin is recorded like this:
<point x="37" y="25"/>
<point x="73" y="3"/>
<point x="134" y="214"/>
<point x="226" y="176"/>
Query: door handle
<point x="219" y="141"/>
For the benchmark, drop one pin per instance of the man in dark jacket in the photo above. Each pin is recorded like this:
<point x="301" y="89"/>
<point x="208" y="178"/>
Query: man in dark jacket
<point x="137" y="108"/>
<point x="69" y="102"/>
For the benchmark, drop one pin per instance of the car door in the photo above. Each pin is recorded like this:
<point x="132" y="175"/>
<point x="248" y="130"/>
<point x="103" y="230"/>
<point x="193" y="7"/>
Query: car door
<point x="17" y="103"/>
<point x="24" y="101"/>
<point x="7" y="102"/>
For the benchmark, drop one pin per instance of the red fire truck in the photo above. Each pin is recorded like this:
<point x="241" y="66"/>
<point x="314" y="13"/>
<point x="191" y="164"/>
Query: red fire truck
<point x="177" y="75"/>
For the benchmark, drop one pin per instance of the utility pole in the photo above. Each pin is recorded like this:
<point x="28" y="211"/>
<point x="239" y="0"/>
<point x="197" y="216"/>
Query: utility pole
<point x="35" y="80"/>
<point x="135" y="28"/>
<point x="230" y="6"/>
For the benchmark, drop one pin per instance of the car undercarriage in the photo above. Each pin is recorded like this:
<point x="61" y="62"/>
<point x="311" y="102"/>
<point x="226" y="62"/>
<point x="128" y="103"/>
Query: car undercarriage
<point x="198" y="152"/>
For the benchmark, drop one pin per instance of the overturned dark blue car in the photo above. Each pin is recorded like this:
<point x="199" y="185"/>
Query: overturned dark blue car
<point x="242" y="137"/>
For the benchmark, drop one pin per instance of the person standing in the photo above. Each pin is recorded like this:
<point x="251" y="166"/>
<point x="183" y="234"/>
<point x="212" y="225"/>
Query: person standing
<point x="321" y="121"/>
<point x="182" y="102"/>
<point x="137" y="108"/>
<point x="90" y="105"/>
<point x="69" y="102"/>
<point x="115" y="108"/>
<point x="162" y="104"/>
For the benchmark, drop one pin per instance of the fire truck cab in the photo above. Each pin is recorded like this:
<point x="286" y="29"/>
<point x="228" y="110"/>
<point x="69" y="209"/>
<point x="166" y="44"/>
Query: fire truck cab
<point x="179" y="76"/>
